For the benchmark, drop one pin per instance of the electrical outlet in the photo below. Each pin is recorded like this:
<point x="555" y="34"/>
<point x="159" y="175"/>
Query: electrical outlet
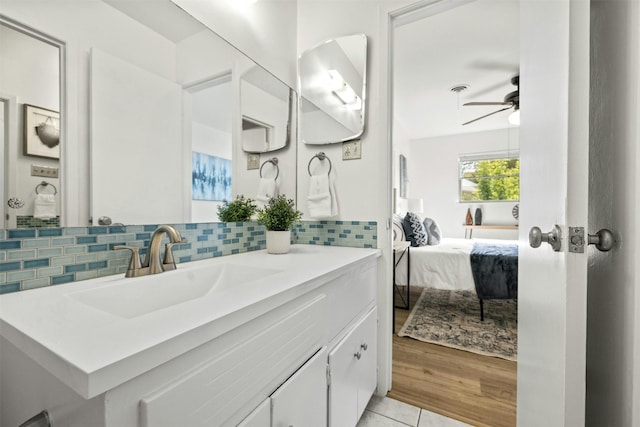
<point x="46" y="171"/>
<point x="352" y="150"/>
<point x="253" y="161"/>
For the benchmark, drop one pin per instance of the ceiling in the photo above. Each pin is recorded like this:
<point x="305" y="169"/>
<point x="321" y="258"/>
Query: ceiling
<point x="476" y="44"/>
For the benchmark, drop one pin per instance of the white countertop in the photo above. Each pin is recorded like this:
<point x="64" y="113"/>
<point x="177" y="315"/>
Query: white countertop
<point x="93" y="351"/>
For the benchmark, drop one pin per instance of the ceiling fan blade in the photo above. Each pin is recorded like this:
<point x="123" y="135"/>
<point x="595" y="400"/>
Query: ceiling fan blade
<point x="486" y="115"/>
<point x="487" y="103"/>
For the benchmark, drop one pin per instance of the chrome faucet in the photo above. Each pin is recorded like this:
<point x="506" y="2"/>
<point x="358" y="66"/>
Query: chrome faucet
<point x="152" y="263"/>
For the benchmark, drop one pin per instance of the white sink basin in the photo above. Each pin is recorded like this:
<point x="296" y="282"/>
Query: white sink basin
<point x="133" y="297"/>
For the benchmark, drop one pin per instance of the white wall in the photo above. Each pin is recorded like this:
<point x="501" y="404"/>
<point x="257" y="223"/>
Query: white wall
<point x="432" y="166"/>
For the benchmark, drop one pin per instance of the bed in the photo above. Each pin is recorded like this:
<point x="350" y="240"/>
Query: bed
<point x="486" y="266"/>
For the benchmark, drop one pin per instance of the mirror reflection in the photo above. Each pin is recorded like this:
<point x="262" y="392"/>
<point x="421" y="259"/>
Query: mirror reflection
<point x="30" y="144"/>
<point x="153" y="118"/>
<point x="332" y="90"/>
<point x="266" y="105"/>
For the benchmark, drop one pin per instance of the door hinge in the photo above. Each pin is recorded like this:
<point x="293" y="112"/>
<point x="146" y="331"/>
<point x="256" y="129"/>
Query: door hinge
<point x="576" y="240"/>
<point x="328" y="375"/>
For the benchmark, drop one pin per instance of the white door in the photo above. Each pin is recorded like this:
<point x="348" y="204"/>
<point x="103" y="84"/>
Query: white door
<point x="554" y="148"/>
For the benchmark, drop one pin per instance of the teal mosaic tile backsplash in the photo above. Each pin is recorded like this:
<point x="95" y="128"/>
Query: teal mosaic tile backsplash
<point x="32" y="258"/>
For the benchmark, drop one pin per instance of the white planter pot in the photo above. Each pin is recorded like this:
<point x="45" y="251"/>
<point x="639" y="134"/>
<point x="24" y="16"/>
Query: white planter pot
<point x="278" y="242"/>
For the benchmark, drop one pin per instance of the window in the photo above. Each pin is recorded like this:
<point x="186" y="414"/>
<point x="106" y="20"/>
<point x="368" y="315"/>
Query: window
<point x="489" y="177"/>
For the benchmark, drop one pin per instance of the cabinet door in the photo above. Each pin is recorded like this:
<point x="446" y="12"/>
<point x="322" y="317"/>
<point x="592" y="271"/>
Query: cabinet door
<point x="343" y="389"/>
<point x="353" y="373"/>
<point x="302" y="400"/>
<point x="368" y="363"/>
<point x="260" y="417"/>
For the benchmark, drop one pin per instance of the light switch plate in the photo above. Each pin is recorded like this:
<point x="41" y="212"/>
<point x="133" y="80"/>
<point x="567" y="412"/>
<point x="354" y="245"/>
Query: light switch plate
<point x="351" y="150"/>
<point x="253" y="161"/>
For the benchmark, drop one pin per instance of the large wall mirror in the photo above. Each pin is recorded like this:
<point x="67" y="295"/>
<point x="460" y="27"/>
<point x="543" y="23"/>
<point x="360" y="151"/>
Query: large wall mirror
<point x="151" y="126"/>
<point x="30" y="70"/>
<point x="332" y="90"/>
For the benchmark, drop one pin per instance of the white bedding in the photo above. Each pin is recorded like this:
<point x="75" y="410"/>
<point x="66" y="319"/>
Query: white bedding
<point x="443" y="266"/>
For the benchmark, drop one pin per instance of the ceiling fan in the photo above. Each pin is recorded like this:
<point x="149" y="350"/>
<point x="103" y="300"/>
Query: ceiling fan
<point x="511" y="100"/>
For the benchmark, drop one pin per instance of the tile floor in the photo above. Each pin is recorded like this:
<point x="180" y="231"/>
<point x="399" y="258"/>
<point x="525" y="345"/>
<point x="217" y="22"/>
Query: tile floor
<point x="386" y="412"/>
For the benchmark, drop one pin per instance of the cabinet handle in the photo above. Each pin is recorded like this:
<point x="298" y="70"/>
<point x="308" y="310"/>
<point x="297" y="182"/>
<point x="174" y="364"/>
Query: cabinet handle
<point x="364" y="346"/>
<point x="357" y="355"/>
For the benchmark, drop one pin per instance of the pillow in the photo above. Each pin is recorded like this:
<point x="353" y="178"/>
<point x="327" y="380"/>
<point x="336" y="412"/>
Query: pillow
<point x="414" y="230"/>
<point x="433" y="231"/>
<point x="398" y="230"/>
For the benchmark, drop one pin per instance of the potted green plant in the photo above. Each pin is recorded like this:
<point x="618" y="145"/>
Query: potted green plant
<point x="278" y="215"/>
<point x="239" y="210"/>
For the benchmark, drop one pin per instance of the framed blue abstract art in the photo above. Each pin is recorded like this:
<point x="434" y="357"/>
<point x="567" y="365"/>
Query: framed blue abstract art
<point x="210" y="177"/>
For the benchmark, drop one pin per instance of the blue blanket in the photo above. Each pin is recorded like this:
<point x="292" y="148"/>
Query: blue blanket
<point x="495" y="270"/>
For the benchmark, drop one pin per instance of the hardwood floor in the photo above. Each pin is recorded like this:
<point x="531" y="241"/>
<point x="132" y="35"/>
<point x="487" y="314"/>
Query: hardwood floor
<point x="478" y="390"/>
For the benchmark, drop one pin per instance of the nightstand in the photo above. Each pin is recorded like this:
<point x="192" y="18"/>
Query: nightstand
<point x="400" y="249"/>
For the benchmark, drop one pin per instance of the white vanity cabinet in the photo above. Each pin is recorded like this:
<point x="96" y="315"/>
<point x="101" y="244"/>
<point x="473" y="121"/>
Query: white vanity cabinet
<point x="352" y="372"/>
<point x="264" y="364"/>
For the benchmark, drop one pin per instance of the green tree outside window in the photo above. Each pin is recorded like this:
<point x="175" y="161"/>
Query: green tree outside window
<point x="489" y="179"/>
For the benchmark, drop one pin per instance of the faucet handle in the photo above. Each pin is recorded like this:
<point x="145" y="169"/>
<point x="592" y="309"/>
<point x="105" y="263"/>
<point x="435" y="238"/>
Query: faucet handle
<point x="134" y="263"/>
<point x="169" y="263"/>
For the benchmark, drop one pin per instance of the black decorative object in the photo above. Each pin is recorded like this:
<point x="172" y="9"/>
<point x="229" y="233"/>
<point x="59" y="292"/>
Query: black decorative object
<point x="516" y="211"/>
<point x="15" y="203"/>
<point x="478" y="216"/>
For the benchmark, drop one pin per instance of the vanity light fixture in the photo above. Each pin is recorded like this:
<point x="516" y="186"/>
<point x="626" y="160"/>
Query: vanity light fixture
<point x="343" y="91"/>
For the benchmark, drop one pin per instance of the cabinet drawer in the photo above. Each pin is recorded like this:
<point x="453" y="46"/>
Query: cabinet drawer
<point x="216" y="390"/>
<point x="349" y="296"/>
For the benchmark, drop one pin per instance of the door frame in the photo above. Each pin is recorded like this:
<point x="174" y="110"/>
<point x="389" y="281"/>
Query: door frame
<point x="7" y="150"/>
<point x="572" y="316"/>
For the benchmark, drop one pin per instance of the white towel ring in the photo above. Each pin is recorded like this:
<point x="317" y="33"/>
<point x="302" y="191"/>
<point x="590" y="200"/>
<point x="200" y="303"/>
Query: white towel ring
<point x="274" y="162"/>
<point x="321" y="156"/>
<point x="45" y="184"/>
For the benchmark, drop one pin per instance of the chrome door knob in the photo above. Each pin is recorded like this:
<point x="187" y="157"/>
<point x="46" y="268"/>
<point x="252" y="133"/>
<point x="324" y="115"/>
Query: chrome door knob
<point x="536" y="237"/>
<point x="603" y="240"/>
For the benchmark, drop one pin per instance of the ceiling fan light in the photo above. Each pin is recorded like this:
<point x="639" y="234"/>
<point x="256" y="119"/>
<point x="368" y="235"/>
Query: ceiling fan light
<point x="514" y="118"/>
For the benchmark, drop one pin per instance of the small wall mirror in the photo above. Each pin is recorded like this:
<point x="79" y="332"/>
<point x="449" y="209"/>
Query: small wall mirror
<point x="266" y="105"/>
<point x="332" y="90"/>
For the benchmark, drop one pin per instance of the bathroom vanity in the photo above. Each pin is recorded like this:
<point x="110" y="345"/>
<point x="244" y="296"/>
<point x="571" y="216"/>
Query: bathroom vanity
<point x="251" y="339"/>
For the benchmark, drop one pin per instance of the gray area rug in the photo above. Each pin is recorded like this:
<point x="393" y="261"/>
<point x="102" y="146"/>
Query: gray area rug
<point x="452" y="319"/>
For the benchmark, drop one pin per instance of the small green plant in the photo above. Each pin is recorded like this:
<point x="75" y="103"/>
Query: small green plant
<point x="239" y="210"/>
<point x="279" y="214"/>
